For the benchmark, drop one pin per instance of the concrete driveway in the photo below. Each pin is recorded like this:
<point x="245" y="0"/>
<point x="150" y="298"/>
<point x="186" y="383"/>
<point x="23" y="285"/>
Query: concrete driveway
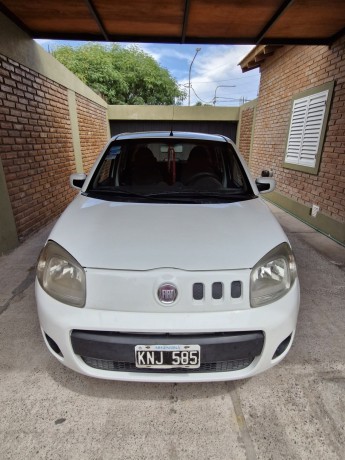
<point x="294" y="411"/>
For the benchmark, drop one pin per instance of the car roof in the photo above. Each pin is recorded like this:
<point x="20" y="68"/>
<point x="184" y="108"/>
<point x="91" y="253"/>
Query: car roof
<point x="171" y="135"/>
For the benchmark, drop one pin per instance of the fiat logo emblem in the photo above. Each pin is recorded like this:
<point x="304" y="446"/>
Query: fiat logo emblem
<point x="167" y="293"/>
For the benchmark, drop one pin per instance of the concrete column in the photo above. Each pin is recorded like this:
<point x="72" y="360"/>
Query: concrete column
<point x="72" y="105"/>
<point x="8" y="231"/>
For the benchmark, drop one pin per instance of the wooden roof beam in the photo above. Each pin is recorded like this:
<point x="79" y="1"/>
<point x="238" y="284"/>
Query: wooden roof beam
<point x="337" y="36"/>
<point x="97" y="18"/>
<point x="185" y="21"/>
<point x="249" y="67"/>
<point x="283" y="7"/>
<point x="15" y="19"/>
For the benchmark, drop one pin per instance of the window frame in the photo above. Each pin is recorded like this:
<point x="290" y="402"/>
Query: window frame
<point x="310" y="92"/>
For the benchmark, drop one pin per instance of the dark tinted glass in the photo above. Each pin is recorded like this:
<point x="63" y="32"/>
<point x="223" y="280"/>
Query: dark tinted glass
<point x="161" y="165"/>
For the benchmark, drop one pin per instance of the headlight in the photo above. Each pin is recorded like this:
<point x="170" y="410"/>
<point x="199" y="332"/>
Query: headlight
<point x="273" y="276"/>
<point x="61" y="276"/>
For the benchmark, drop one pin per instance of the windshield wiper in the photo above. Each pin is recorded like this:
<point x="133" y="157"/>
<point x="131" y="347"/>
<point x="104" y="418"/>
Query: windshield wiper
<point x="194" y="196"/>
<point x="116" y="193"/>
<point x="233" y="195"/>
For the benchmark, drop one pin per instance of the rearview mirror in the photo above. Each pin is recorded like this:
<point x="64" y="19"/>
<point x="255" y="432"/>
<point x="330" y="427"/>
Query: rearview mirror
<point x="77" y="180"/>
<point x="265" y="184"/>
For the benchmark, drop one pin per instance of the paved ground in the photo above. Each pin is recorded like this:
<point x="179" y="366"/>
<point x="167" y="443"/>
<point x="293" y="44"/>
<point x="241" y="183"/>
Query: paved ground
<point x="294" y="411"/>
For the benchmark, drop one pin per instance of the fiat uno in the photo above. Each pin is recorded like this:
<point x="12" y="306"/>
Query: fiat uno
<point x="168" y="266"/>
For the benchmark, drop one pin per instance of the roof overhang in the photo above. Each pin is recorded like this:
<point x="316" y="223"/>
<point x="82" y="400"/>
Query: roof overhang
<point x="256" y="56"/>
<point x="269" y="22"/>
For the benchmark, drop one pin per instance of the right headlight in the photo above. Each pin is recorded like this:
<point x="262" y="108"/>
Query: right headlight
<point x="273" y="276"/>
<point x="61" y="276"/>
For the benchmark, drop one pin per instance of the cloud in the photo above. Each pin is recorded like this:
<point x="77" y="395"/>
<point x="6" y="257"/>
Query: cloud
<point x="215" y="66"/>
<point x="162" y="52"/>
<point x="215" y="69"/>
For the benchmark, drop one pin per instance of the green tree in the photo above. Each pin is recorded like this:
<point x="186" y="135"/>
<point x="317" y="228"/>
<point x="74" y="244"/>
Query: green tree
<point x="200" y="104"/>
<point x="121" y="75"/>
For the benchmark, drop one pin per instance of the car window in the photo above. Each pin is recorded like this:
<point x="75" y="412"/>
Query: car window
<point x="156" y="166"/>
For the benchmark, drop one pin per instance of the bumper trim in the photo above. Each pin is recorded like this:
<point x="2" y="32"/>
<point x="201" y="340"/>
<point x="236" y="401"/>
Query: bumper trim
<point x="215" y="347"/>
<point x="218" y="366"/>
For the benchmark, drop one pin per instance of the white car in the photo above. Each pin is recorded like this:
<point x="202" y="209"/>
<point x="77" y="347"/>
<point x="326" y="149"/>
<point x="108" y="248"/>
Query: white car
<point x="168" y="266"/>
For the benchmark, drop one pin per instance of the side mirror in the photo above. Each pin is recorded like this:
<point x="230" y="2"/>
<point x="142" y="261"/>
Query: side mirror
<point x="265" y="184"/>
<point x="77" y="180"/>
<point x="266" y="173"/>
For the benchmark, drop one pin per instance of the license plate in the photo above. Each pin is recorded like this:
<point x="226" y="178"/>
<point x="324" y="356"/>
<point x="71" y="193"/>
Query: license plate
<point x="167" y="356"/>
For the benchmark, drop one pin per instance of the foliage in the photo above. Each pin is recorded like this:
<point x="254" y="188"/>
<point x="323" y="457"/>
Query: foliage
<point x="200" y="104"/>
<point x="121" y="75"/>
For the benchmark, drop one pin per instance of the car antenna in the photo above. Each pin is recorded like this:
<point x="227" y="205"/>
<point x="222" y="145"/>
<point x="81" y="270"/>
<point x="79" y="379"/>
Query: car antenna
<point x="171" y="131"/>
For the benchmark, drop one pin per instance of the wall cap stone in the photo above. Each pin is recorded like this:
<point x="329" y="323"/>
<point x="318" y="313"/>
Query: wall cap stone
<point x="172" y="113"/>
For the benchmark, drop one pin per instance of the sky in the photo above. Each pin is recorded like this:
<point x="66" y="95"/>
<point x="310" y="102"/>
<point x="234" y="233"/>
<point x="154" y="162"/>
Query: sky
<point x="215" y="75"/>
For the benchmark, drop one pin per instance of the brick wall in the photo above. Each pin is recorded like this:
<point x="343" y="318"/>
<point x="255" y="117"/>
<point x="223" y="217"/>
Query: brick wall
<point x="288" y="72"/>
<point x="247" y="118"/>
<point x="36" y="143"/>
<point x="92" y="121"/>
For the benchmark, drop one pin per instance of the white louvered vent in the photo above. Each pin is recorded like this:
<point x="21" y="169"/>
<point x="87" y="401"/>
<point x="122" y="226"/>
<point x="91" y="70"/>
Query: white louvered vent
<point x="305" y="130"/>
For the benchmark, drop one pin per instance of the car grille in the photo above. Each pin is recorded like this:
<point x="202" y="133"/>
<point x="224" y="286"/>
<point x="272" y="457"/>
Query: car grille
<point x="218" y="290"/>
<point x="219" y="351"/>
<point x="121" y="366"/>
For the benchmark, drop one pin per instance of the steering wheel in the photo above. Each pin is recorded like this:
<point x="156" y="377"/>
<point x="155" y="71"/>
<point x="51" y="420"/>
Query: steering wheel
<point x="201" y="175"/>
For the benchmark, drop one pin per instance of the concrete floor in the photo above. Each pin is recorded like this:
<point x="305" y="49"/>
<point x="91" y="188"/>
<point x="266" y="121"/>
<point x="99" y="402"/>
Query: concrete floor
<point x="294" y="411"/>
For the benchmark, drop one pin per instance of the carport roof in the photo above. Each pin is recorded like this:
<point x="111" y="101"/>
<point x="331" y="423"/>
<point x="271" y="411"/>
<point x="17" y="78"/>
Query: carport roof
<point x="182" y="21"/>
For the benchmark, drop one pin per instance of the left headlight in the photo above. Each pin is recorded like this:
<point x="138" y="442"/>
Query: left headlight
<point x="273" y="276"/>
<point x="61" y="276"/>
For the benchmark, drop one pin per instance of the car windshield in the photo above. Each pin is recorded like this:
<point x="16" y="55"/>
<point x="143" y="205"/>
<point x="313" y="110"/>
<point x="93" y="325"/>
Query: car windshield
<point x="170" y="170"/>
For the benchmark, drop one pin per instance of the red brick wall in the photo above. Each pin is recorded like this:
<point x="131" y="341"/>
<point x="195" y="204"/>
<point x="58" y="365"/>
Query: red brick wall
<point x="92" y="121"/>
<point x="288" y="72"/>
<point x="247" y="118"/>
<point x="35" y="145"/>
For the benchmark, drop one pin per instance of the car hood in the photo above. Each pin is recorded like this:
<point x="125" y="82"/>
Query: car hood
<point x="144" y="236"/>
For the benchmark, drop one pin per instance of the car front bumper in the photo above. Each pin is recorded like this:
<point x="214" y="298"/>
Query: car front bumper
<point x="63" y="326"/>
